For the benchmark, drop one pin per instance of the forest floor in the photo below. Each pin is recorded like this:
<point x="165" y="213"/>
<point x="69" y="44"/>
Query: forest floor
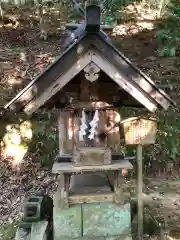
<point x="161" y="196"/>
<point x="23" y="56"/>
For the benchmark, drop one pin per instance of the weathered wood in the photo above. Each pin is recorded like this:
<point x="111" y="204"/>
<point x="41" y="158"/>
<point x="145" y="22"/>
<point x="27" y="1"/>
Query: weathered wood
<point x="76" y="125"/>
<point x="58" y="84"/>
<point x="140" y="191"/>
<point x="74" y="26"/>
<point x="79" y="182"/>
<point x="90" y="188"/>
<point x="61" y="197"/>
<point x="62" y="130"/>
<point x="71" y="168"/>
<point x="134" y="74"/>
<point x="89" y="105"/>
<point x="123" y="80"/>
<point x="119" y="197"/>
<point x="47" y="84"/>
<point x="74" y="59"/>
<point x="111" y="177"/>
<point x="139" y="130"/>
<point x="89" y="156"/>
<point x="70" y="131"/>
<point x="111" y="93"/>
<point x="84" y="89"/>
<point x="65" y="140"/>
<point x="92" y="18"/>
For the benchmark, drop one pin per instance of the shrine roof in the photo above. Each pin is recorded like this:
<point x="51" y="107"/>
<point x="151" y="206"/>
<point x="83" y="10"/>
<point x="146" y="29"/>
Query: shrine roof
<point x="89" y="43"/>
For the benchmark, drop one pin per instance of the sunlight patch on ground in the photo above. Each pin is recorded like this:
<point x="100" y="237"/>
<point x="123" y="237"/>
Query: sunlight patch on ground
<point x="132" y="29"/>
<point x="15" y="141"/>
<point x="136" y="18"/>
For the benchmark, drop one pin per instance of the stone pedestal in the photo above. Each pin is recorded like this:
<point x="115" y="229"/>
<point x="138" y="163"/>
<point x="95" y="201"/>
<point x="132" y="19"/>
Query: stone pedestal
<point x="104" y="221"/>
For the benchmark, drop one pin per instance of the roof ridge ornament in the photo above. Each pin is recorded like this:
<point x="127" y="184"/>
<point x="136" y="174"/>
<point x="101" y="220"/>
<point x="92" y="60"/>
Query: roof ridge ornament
<point x="92" y="23"/>
<point x="93" y="12"/>
<point x="103" y="6"/>
<point x="92" y="18"/>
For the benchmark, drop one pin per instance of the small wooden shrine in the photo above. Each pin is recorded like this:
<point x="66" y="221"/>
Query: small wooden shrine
<point x="89" y="83"/>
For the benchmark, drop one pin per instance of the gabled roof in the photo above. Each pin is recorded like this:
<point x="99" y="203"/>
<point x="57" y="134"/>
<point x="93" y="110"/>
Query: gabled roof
<point x="85" y="47"/>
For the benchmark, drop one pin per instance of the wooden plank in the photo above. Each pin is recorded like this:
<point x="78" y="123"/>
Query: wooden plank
<point x="123" y="81"/>
<point x="70" y="167"/>
<point x="125" y="66"/>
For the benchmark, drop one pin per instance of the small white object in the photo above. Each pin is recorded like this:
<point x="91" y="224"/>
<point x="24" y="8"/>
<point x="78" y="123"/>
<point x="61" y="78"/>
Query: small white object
<point x="92" y="72"/>
<point x="93" y="125"/>
<point x="83" y="126"/>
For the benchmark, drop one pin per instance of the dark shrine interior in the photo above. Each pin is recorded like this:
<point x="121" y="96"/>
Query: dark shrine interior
<point x="79" y="89"/>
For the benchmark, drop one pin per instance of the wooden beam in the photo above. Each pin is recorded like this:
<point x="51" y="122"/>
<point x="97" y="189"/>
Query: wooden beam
<point x="123" y="81"/>
<point x="46" y="80"/>
<point x="128" y="69"/>
<point x="58" y="84"/>
<point x="74" y="26"/>
<point x="70" y="167"/>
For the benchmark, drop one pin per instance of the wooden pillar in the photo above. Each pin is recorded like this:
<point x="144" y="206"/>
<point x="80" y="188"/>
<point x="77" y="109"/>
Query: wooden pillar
<point x="62" y="129"/>
<point x="76" y="124"/>
<point x="120" y="197"/>
<point x="61" y="197"/>
<point x="140" y="191"/>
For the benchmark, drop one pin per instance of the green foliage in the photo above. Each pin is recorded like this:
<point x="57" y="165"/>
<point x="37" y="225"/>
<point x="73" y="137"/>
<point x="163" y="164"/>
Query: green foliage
<point x="168" y="34"/>
<point x="168" y="136"/>
<point x="44" y="144"/>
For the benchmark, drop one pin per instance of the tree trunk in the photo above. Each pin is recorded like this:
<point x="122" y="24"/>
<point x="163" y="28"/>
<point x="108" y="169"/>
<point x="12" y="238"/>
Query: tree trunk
<point x="162" y="7"/>
<point x="43" y="32"/>
<point x="1" y="10"/>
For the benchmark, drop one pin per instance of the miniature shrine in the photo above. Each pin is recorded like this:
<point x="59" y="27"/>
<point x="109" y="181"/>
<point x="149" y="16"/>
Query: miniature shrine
<point x="89" y="83"/>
